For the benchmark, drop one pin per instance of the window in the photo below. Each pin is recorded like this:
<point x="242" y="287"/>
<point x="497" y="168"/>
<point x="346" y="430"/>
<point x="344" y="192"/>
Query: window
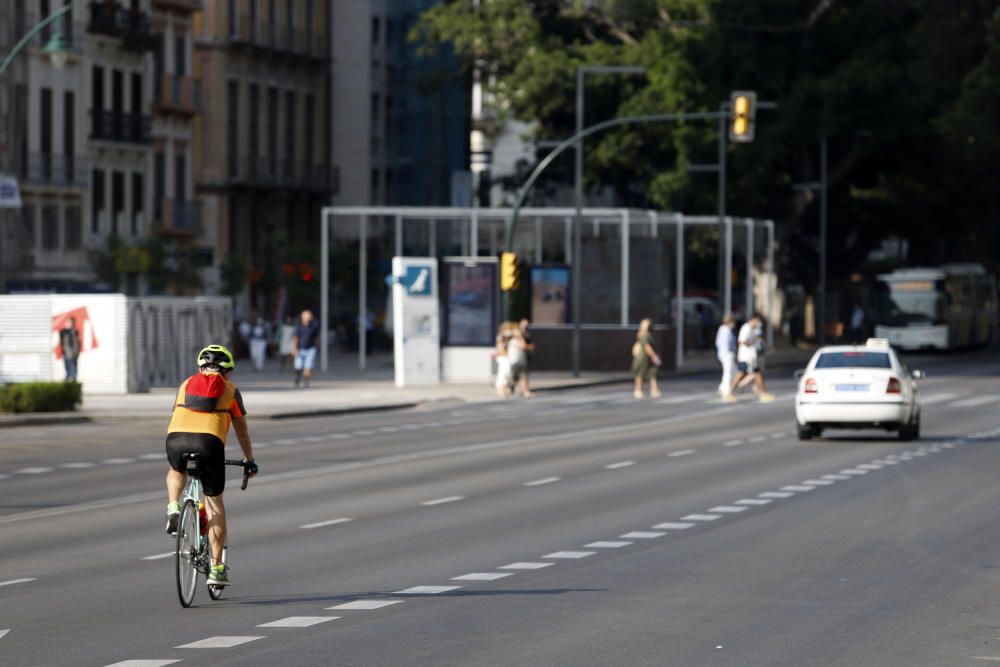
<point x="232" y="126"/>
<point x="234" y="30"/>
<point x="159" y="184"/>
<point x="45" y="118"/>
<point x="376" y="29"/>
<point x="254" y="127"/>
<point x="290" y="118"/>
<point x="310" y="24"/>
<point x="272" y="130"/>
<point x="272" y="22"/>
<point x="50" y="227"/>
<point x="290" y="22"/>
<point x="310" y="130"/>
<point x="375" y="179"/>
<point x="96" y="200"/>
<point x="853" y="360"/>
<point x="117" y="199"/>
<point x="27" y="226"/>
<point x="72" y="228"/>
<point x="45" y="10"/>
<point x="97" y="101"/>
<point x="376" y="103"/>
<point x="69" y="135"/>
<point x="138" y="195"/>
<point x="180" y="177"/>
<point x="180" y="56"/>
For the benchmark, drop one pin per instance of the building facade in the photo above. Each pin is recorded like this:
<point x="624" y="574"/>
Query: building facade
<point x="263" y="156"/>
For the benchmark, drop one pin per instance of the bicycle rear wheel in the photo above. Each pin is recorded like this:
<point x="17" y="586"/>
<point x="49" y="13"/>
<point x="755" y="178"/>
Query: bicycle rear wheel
<point x="187" y="552"/>
<point x="215" y="592"/>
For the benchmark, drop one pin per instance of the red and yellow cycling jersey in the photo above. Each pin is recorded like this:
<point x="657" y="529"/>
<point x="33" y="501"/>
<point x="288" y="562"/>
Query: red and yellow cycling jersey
<point x="206" y="403"/>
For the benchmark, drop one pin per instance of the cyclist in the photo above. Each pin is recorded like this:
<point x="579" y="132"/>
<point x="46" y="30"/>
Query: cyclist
<point x="205" y="406"/>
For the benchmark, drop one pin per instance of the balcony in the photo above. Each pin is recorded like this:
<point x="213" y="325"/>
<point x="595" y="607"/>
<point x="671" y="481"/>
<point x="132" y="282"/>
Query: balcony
<point x="120" y="126"/>
<point x="178" y="95"/>
<point x="110" y="19"/>
<point x="177" y="217"/>
<point x="180" y="6"/>
<point x="283" y="174"/>
<point x="60" y="171"/>
<point x="279" y="39"/>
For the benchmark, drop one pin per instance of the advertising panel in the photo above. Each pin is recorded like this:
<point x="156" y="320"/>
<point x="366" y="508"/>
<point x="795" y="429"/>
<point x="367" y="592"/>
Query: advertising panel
<point x="550" y="294"/>
<point x="470" y="297"/>
<point x="416" y="331"/>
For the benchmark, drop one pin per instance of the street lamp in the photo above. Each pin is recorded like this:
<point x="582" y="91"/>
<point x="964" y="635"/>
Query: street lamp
<point x="57" y="49"/>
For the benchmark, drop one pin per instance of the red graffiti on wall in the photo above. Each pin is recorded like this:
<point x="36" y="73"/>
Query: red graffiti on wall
<point x="83" y="325"/>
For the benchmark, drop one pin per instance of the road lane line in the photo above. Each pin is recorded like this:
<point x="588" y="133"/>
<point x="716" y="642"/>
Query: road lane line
<point x="320" y="524"/>
<point x="974" y="402"/>
<point x="544" y="480"/>
<point x="482" y="576"/>
<point x="144" y="663"/>
<point x="681" y="452"/>
<point x="161" y="456"/>
<point x="364" y="605"/>
<point x="607" y="544"/>
<point x="118" y="461"/>
<point x="525" y="566"/>
<point x="853" y="471"/>
<point x="79" y="465"/>
<point x="298" y="621"/>
<point x="426" y="590"/>
<point x="286" y="441"/>
<point x="758" y="438"/>
<point x="775" y="494"/>
<point x="619" y="464"/>
<point x="727" y="509"/>
<point x="569" y="555"/>
<point x="818" y="482"/>
<point x="159" y="556"/>
<point x="701" y="517"/>
<point x="732" y="443"/>
<point x="674" y="525"/>
<point x="752" y="501"/>
<point x="938" y="398"/>
<point x="365" y="432"/>
<point x="870" y="466"/>
<point x="222" y="641"/>
<point x="797" y="488"/>
<point x="12" y="582"/>
<point x="36" y="470"/>
<point x="312" y="438"/>
<point x="642" y="535"/>
<point x="442" y="501"/>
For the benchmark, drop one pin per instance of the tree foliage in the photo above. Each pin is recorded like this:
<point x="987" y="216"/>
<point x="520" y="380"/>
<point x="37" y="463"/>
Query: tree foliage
<point x="907" y="93"/>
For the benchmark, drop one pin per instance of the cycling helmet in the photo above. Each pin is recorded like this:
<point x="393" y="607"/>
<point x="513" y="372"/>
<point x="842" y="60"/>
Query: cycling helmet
<point x="216" y="357"/>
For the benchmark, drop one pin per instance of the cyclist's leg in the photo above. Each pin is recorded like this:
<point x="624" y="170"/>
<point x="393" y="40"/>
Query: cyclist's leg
<point x="216" y="525"/>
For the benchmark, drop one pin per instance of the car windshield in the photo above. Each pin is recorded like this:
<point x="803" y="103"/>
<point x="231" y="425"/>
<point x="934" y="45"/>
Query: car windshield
<point x="853" y="360"/>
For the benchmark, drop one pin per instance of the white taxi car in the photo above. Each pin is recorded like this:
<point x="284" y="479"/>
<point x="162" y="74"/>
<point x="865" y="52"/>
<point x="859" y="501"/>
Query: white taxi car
<point x="857" y="386"/>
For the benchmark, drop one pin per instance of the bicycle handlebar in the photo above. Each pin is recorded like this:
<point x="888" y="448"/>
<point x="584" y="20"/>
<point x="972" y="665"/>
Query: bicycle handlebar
<point x="246" y="471"/>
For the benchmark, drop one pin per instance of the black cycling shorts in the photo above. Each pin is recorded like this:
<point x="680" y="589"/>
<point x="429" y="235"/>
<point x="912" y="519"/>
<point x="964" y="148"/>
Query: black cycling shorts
<point x="211" y="458"/>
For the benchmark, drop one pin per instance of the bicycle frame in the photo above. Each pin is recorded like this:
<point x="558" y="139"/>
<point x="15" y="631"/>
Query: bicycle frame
<point x="193" y="491"/>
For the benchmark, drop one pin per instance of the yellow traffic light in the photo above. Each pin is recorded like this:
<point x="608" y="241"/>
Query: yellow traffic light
<point x="508" y="272"/>
<point x="742" y="104"/>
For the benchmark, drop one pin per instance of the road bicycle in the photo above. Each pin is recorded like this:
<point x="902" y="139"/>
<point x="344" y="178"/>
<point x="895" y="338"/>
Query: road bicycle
<point x="194" y="552"/>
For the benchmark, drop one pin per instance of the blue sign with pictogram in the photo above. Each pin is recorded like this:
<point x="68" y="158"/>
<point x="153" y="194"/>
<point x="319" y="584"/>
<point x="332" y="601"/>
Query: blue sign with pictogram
<point x="417" y="280"/>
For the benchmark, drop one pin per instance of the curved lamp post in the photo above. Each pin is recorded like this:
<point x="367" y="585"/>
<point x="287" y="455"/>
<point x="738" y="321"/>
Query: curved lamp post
<point x="57" y="49"/>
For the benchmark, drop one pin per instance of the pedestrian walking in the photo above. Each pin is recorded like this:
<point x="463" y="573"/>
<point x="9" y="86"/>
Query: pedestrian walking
<point x="517" y="357"/>
<point x="857" y="324"/>
<point x="750" y="345"/>
<point x="645" y="361"/>
<point x="304" y="347"/>
<point x="503" y="361"/>
<point x="725" y="352"/>
<point x="529" y="348"/>
<point x="286" y="343"/>
<point x="260" y="336"/>
<point x="69" y="343"/>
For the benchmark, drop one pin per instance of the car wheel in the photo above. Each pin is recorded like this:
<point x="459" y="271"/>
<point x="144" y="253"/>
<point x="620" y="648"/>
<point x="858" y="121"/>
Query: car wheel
<point x="907" y="432"/>
<point x="806" y="432"/>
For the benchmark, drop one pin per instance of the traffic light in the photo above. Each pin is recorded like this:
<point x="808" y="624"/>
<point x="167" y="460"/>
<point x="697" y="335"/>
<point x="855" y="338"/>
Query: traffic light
<point x="743" y="105"/>
<point x="509" y="278"/>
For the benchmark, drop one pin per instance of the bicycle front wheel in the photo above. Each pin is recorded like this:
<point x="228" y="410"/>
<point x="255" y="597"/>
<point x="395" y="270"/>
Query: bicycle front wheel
<point x="187" y="552"/>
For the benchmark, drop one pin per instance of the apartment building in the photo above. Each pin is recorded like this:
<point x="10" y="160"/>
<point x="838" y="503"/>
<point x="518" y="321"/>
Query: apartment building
<point x="263" y="158"/>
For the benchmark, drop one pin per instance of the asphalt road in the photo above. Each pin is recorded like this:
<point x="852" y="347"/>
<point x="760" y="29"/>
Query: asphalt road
<point x="579" y="528"/>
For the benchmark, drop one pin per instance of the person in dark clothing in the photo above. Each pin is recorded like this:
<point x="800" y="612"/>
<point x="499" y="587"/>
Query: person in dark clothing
<point x="69" y="341"/>
<point x="304" y="347"/>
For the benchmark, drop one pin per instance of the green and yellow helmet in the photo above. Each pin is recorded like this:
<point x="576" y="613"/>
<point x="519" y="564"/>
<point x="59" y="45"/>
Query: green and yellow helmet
<point x="216" y="357"/>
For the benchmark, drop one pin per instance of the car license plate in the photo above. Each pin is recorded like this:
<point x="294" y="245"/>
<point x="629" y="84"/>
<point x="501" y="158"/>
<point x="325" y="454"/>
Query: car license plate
<point x="851" y="387"/>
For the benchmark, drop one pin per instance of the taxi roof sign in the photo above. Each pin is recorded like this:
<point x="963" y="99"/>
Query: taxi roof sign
<point x="877" y="343"/>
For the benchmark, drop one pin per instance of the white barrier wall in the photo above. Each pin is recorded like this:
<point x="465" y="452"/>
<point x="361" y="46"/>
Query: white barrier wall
<point x="127" y="344"/>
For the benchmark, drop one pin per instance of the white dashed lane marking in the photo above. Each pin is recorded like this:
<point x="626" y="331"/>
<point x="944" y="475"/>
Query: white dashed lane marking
<point x="938" y="398"/>
<point x="642" y="535"/>
<point x="797" y="488"/>
<point x="836" y="478"/>
<point x="160" y="456"/>
<point x="168" y="554"/>
<point x="975" y="401"/>
<point x="286" y="441"/>
<point x="364" y="605"/>
<point x="320" y="524"/>
<point x="870" y="466"/>
<point x="818" y="482"/>
<point x="544" y="480"/>
<point x="298" y="621"/>
<point x="607" y="544"/>
<point x="674" y="525"/>
<point x="701" y="517"/>
<point x="13" y="582"/>
<point x="426" y="590"/>
<point x="569" y="555"/>
<point x="78" y="465"/>
<point x="482" y="576"/>
<point x="853" y="471"/>
<point x="619" y="464"/>
<point x="220" y="642"/>
<point x="752" y="501"/>
<point x="118" y="461"/>
<point x="33" y="471"/>
<point x="758" y="438"/>
<point x="732" y="443"/>
<point x="681" y="452"/>
<point x="442" y="501"/>
<point x="775" y="494"/>
<point x="727" y="509"/>
<point x="526" y="566"/>
<point x="144" y="663"/>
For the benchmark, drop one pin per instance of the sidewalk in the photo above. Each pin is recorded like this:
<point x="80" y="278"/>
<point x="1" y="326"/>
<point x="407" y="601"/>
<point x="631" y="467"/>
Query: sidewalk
<point x="271" y="394"/>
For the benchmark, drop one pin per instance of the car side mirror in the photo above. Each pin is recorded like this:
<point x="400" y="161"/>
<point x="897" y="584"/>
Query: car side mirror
<point x="918" y="375"/>
<point x="799" y="373"/>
